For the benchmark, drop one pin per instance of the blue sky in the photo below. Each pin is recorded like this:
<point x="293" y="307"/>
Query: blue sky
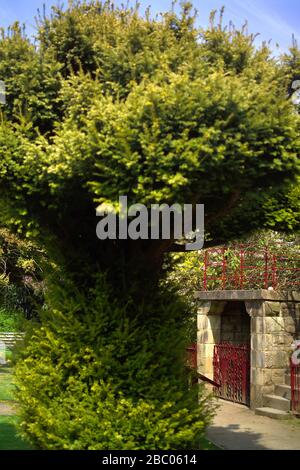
<point x="273" y="19"/>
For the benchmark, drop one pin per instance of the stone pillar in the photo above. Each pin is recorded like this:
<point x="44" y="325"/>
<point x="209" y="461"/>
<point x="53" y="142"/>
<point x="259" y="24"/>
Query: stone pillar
<point x="209" y="334"/>
<point x="270" y="348"/>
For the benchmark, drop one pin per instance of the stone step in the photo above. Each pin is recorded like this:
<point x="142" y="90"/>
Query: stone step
<point x="283" y="391"/>
<point x="287" y="378"/>
<point x="279" y="403"/>
<point x="272" y="413"/>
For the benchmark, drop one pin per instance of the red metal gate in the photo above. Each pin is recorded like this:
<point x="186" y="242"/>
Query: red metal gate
<point x="232" y="371"/>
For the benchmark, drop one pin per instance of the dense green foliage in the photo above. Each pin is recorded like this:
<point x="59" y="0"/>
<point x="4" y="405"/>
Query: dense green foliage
<point x="11" y="320"/>
<point x="88" y="379"/>
<point x="156" y="110"/>
<point x="21" y="272"/>
<point x="110" y="103"/>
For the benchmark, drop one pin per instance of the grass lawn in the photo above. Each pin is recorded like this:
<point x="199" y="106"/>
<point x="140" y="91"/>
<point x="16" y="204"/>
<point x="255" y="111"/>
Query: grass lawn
<point x="6" y="386"/>
<point x="8" y="433"/>
<point x="207" y="445"/>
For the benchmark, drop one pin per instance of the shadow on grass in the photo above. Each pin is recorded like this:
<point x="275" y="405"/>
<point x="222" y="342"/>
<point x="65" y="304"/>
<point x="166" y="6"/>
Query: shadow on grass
<point x="8" y="435"/>
<point x="5" y="370"/>
<point x="205" y="444"/>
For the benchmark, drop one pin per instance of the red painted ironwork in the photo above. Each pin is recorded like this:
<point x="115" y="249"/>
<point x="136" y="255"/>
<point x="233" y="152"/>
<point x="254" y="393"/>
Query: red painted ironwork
<point x="242" y="269"/>
<point x="207" y="380"/>
<point x="192" y="356"/>
<point x="205" y="270"/>
<point x="295" y="387"/>
<point x="250" y="267"/>
<point x="274" y="271"/>
<point x="266" y="270"/>
<point x="224" y="268"/>
<point x="192" y="364"/>
<point x="232" y="371"/>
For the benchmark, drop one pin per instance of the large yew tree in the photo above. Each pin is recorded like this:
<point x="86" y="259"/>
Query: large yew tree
<point x="108" y="102"/>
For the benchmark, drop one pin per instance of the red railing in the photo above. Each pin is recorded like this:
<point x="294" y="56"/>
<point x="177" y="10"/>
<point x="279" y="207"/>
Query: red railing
<point x="249" y="267"/>
<point x="191" y="362"/>
<point x="295" y="387"/>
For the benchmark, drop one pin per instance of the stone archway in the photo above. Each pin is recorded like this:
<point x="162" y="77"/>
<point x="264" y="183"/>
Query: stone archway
<point x="224" y="347"/>
<point x="274" y="324"/>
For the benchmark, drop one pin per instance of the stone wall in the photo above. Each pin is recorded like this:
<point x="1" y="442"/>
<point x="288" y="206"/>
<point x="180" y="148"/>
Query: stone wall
<point x="274" y="327"/>
<point x="235" y="323"/>
<point x="275" y="324"/>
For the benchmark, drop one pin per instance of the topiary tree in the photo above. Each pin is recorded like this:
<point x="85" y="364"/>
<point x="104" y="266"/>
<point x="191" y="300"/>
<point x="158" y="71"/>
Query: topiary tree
<point x="160" y="111"/>
<point x="92" y="377"/>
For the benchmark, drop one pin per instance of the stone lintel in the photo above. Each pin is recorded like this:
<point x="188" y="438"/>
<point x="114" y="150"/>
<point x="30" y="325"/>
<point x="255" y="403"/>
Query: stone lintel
<point x="238" y="295"/>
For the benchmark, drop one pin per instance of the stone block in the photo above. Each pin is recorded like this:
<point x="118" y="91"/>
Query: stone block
<point x="202" y="322"/>
<point x="256" y="396"/>
<point x="257" y="359"/>
<point x="255" y="308"/>
<point x="281" y="340"/>
<point x="214" y="322"/>
<point x="201" y="362"/>
<point x="272" y="309"/>
<point x="254" y="374"/>
<point x="274" y="325"/>
<point x="269" y="342"/>
<point x="289" y="325"/>
<point x="278" y="376"/>
<point x="275" y="360"/>
<point x="285" y="309"/>
<point x="204" y="307"/>
<point x="267" y="389"/>
<point x="294" y="296"/>
<point x="209" y="329"/>
<point x="267" y="377"/>
<point x="208" y="336"/>
<point x="258" y="325"/>
<point x="205" y="366"/>
<point x="261" y="342"/>
<point x="202" y="337"/>
<point x="261" y="376"/>
<point x="209" y="369"/>
<point x="200" y="353"/>
<point x="209" y="350"/>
